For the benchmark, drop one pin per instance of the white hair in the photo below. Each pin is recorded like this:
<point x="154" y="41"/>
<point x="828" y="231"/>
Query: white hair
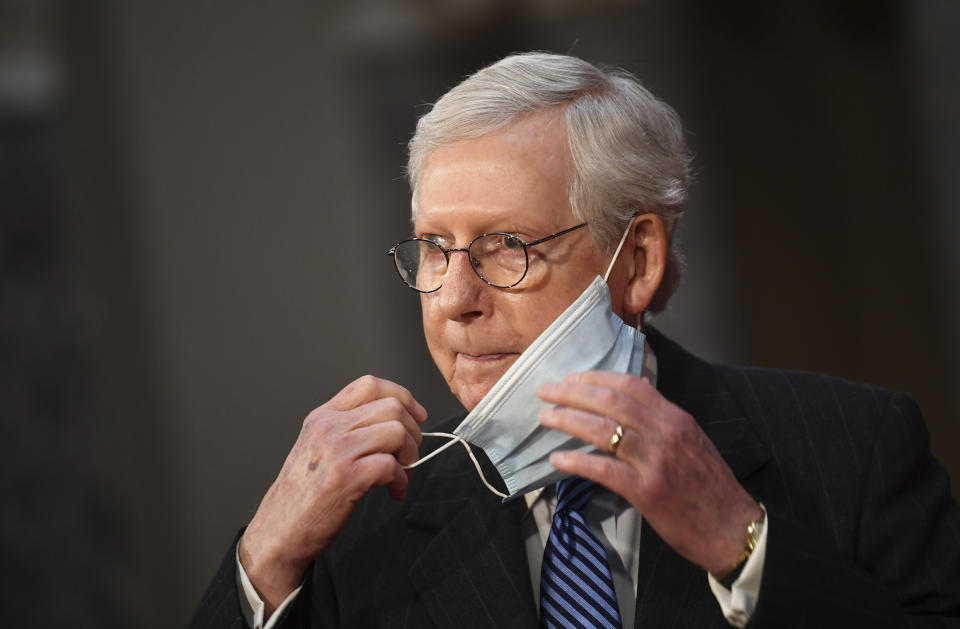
<point x="627" y="146"/>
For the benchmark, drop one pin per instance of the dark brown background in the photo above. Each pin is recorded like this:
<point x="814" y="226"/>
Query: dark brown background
<point x="195" y="199"/>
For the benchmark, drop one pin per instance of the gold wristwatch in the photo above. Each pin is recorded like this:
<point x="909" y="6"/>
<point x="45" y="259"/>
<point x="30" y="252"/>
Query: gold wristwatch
<point x="754" y="529"/>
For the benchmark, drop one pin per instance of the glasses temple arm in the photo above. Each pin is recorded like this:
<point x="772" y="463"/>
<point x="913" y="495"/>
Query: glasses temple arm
<point x="552" y="236"/>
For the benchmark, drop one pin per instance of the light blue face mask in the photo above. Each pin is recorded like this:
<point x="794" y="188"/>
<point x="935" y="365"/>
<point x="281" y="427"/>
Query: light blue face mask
<point x="504" y="424"/>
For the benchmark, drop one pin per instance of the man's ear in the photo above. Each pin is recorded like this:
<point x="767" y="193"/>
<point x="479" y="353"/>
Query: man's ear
<point x="649" y="261"/>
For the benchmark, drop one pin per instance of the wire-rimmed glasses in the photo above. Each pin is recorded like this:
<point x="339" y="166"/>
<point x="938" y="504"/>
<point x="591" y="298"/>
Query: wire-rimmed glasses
<point x="499" y="259"/>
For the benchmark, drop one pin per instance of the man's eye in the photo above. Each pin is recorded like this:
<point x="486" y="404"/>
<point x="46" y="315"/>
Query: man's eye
<point x="512" y="242"/>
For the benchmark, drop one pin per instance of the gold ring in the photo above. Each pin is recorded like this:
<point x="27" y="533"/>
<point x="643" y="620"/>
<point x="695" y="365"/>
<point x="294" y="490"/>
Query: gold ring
<point x="615" y="439"/>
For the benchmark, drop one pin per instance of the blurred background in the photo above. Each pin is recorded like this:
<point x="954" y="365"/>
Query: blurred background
<point x="196" y="198"/>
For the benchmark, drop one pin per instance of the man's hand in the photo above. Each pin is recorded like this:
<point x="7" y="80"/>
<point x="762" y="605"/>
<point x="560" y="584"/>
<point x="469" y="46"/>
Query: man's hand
<point x="356" y="441"/>
<point x="665" y="465"/>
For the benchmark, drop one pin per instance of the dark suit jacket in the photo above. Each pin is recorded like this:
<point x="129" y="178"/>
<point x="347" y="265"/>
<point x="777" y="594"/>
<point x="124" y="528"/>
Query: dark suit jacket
<point x="863" y="531"/>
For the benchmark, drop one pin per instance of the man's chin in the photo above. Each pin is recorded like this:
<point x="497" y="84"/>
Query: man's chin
<point x="478" y="377"/>
<point x="471" y="394"/>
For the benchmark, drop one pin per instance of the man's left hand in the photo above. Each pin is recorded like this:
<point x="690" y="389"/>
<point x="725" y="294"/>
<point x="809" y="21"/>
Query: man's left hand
<point x="664" y="465"/>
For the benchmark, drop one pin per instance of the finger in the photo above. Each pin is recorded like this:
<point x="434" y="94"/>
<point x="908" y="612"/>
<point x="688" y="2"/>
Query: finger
<point x="398" y="486"/>
<point x="409" y="453"/>
<point x="368" y="388"/>
<point x="386" y="437"/>
<point x="383" y="410"/>
<point x="598" y="431"/>
<point x="381" y="469"/>
<point x="599" y="400"/>
<point x="640" y="389"/>
<point x="587" y="427"/>
<point x="614" y="474"/>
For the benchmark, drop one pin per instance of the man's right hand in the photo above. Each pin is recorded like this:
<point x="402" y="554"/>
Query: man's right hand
<point x="356" y="441"/>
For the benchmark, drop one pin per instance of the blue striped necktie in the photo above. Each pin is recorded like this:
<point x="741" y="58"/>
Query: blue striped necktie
<point x="576" y="587"/>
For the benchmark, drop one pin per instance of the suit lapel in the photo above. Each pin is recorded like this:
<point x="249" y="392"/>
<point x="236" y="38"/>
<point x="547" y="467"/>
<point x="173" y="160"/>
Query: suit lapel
<point x="671" y="590"/>
<point x="474" y="571"/>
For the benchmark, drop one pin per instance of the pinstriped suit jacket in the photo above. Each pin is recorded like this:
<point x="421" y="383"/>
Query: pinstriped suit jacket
<point x="863" y="532"/>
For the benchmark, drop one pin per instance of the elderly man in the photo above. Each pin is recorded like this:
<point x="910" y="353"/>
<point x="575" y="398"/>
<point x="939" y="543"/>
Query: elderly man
<point x="693" y="494"/>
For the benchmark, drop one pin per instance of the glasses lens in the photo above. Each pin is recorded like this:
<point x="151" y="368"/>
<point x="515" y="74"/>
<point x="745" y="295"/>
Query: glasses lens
<point x="500" y="259"/>
<point x="421" y="264"/>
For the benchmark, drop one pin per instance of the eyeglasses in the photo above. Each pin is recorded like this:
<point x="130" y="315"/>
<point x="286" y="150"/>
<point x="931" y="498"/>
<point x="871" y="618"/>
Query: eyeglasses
<point x="499" y="259"/>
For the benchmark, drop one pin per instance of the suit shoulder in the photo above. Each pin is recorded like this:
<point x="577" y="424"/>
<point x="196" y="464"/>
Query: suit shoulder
<point x="794" y="387"/>
<point x="815" y="407"/>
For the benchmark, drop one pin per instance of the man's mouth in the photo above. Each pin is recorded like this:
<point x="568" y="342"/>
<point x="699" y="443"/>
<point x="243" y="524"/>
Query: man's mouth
<point x="487" y="357"/>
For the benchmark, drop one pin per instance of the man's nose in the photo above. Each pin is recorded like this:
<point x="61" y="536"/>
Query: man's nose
<point x="459" y="295"/>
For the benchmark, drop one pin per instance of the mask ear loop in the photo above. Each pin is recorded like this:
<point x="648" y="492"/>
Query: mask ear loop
<point x="455" y="439"/>
<point x="616" y="253"/>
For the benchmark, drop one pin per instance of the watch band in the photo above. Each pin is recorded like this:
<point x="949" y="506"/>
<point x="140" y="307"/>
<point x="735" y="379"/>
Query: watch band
<point x="752" y="538"/>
